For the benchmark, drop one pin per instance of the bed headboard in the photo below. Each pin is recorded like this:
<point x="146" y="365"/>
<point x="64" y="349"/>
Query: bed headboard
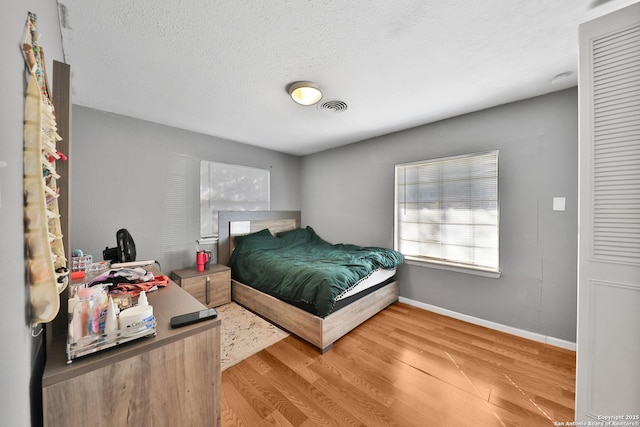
<point x="234" y="223"/>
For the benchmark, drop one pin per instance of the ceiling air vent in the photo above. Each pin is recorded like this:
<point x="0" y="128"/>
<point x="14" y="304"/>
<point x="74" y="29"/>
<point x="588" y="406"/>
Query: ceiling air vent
<point x="333" y="105"/>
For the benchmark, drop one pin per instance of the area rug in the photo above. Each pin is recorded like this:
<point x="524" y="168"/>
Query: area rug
<point x="243" y="334"/>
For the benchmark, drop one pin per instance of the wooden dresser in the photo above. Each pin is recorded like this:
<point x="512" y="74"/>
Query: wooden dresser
<point x="212" y="287"/>
<point x="172" y="379"/>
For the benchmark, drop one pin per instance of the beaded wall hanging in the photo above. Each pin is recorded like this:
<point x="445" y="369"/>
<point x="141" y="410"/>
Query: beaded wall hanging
<point x="47" y="264"/>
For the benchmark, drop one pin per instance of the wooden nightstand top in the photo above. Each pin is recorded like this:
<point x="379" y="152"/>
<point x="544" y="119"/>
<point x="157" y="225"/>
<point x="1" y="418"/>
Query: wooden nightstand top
<point x="187" y="273"/>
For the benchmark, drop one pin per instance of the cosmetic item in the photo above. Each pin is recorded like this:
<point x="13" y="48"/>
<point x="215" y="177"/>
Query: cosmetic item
<point x="95" y="318"/>
<point x="111" y="322"/>
<point x="74" y="289"/>
<point x="142" y="298"/>
<point x="136" y="316"/>
<point x="70" y="306"/>
<point x="83" y="311"/>
<point x="78" y="327"/>
<point x="74" y="327"/>
<point x="77" y="274"/>
<point x="122" y="301"/>
<point x="99" y="312"/>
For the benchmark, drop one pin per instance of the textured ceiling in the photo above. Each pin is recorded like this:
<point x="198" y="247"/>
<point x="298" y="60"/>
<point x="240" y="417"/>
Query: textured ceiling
<point x="221" y="67"/>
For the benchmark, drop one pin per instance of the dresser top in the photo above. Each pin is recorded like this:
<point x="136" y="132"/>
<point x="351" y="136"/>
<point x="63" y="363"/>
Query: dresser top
<point x="167" y="302"/>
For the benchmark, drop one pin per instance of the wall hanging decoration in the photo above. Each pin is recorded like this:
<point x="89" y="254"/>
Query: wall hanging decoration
<point x="47" y="264"/>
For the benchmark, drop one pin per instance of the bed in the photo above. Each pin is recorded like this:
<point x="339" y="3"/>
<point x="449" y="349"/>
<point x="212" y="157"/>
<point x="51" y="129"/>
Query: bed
<point x="323" y="327"/>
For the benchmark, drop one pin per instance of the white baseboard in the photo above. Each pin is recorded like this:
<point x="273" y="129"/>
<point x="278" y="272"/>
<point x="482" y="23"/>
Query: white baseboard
<point x="492" y="325"/>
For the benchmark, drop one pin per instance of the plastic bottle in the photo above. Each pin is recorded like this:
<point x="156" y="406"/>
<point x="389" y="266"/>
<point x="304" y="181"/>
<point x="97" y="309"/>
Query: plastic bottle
<point x="75" y="323"/>
<point x="101" y="299"/>
<point x="142" y="298"/>
<point x="82" y="312"/>
<point x="95" y="318"/>
<point x="111" y="322"/>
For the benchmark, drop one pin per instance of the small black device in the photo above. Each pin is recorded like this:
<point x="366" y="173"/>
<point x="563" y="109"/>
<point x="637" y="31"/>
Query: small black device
<point x="125" y="251"/>
<point x="196" y="316"/>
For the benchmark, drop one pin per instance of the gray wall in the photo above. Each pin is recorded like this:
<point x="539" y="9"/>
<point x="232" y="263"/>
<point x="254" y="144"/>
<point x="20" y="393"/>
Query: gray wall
<point x="19" y="349"/>
<point x="144" y="177"/>
<point x="348" y="197"/>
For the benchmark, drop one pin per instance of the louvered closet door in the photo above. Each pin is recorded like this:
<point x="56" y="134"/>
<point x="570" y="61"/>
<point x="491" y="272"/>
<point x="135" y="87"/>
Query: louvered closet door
<point x="608" y="368"/>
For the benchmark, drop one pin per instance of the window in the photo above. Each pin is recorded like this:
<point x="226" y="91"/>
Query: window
<point x="226" y="187"/>
<point x="447" y="211"/>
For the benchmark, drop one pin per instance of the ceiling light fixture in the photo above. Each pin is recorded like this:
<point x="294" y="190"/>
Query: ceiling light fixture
<point x="305" y="93"/>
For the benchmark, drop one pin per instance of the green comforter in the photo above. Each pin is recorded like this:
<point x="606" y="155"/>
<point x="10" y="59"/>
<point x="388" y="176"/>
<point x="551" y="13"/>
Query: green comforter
<point x="298" y="266"/>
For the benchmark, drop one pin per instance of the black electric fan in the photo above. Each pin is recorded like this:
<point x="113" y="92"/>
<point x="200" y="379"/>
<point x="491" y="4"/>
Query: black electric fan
<point x="125" y="251"/>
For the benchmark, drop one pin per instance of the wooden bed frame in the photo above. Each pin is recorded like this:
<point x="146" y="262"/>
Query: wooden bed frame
<point x="320" y="332"/>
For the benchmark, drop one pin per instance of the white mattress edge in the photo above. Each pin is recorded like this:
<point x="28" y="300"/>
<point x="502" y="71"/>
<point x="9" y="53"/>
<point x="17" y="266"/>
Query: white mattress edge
<point x="373" y="279"/>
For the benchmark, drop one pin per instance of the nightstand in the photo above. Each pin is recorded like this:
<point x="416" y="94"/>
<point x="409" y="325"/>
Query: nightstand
<point x="211" y="287"/>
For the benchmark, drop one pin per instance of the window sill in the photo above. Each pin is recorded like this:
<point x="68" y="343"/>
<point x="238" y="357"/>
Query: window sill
<point x="451" y="267"/>
<point x="211" y="240"/>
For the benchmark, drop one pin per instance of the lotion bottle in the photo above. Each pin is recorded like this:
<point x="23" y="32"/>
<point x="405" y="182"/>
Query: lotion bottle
<point x="111" y="322"/>
<point x="142" y="298"/>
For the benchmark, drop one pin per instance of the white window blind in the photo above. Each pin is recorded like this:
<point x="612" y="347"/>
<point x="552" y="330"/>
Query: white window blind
<point x="227" y="187"/>
<point x="447" y="211"/>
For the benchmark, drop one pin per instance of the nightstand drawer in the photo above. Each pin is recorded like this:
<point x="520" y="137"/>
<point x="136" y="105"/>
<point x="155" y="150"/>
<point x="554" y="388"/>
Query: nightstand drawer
<point x="211" y="287"/>
<point x="211" y="290"/>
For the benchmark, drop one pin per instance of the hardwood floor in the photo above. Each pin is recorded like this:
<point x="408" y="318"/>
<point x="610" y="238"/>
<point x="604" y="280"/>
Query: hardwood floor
<point x="404" y="367"/>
